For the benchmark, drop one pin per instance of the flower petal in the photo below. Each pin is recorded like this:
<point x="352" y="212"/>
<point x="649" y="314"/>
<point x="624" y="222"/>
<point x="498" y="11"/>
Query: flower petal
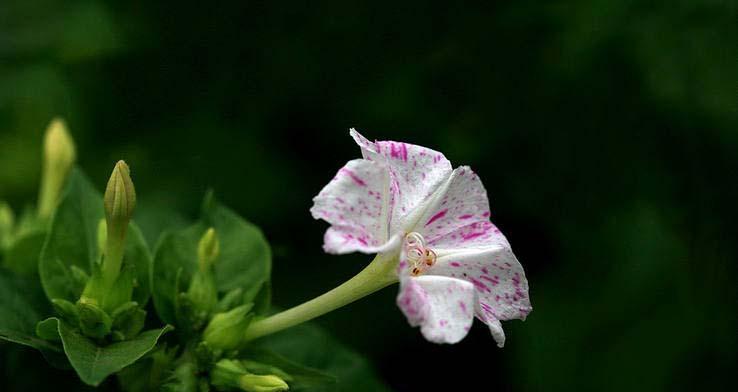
<point x="355" y="204"/>
<point x="442" y="307"/>
<point x="497" y="277"/>
<point x="459" y="214"/>
<point x="416" y="172"/>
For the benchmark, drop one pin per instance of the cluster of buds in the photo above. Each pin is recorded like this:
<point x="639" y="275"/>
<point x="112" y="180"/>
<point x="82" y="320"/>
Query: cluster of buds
<point x="105" y="307"/>
<point x="418" y="255"/>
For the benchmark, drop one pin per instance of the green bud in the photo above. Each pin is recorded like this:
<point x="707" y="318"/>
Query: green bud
<point x="120" y="201"/>
<point x="230" y="300"/>
<point x="120" y="195"/>
<point x="262" y="368"/>
<point x="93" y="321"/>
<point x="7" y="222"/>
<point x="226" y="374"/>
<point x="183" y="379"/>
<point x="225" y="330"/>
<point x="229" y="374"/>
<point x="59" y="157"/>
<point x="79" y="276"/>
<point x="67" y="310"/>
<point x="202" y="294"/>
<point x="48" y="329"/>
<point x="128" y="319"/>
<point x="266" y="383"/>
<point x="208" y="250"/>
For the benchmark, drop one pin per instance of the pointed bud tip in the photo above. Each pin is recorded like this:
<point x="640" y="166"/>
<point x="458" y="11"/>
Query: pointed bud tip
<point x="7" y="217"/>
<point x="208" y="249"/>
<point x="265" y="383"/>
<point x="58" y="144"/>
<point x="120" y="194"/>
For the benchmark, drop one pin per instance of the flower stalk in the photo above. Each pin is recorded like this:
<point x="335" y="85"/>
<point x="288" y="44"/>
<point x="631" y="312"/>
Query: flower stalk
<point x="380" y="273"/>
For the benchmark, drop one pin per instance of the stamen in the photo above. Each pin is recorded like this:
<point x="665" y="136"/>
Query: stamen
<point x="415" y="253"/>
<point x="414" y="238"/>
<point x="418" y="256"/>
<point x="430" y="257"/>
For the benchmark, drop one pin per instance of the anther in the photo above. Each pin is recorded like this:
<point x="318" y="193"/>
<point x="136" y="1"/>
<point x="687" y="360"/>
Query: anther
<point x="430" y="257"/>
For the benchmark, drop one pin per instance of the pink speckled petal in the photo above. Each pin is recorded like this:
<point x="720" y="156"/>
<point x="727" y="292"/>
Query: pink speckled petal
<point x="497" y="277"/>
<point x="356" y="206"/>
<point x="442" y="307"/>
<point x="413" y="301"/>
<point x="495" y="327"/>
<point x="458" y="215"/>
<point x="415" y="171"/>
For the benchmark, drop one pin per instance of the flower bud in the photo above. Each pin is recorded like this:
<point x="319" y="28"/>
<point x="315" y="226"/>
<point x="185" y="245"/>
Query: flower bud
<point x="128" y="320"/>
<point x="120" y="196"/>
<point x="262" y="368"/>
<point x="120" y="200"/>
<point x="93" y="321"/>
<point x="225" y="330"/>
<point x="182" y="379"/>
<point x="230" y="374"/>
<point x="67" y="310"/>
<point x="226" y="374"/>
<point x="202" y="295"/>
<point x="208" y="250"/>
<point x="267" y="383"/>
<point x="59" y="157"/>
<point x="7" y="222"/>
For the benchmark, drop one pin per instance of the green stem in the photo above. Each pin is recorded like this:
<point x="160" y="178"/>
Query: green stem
<point x="114" y="249"/>
<point x="378" y="274"/>
<point x="51" y="184"/>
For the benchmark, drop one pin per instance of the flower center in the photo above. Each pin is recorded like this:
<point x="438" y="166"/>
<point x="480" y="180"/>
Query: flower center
<point x="419" y="256"/>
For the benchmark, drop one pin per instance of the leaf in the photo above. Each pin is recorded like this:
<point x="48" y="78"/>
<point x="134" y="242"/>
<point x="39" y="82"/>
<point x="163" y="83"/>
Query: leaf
<point x="175" y="260"/>
<point x="245" y="257"/>
<point x="23" y="253"/>
<point x="244" y="261"/>
<point x="19" y="313"/>
<point x="72" y="242"/>
<point x="300" y="344"/>
<point x="94" y="363"/>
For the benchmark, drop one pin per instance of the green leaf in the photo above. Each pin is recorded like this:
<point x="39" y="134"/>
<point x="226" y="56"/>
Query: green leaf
<point x="175" y="260"/>
<point x="245" y="257"/>
<point x="19" y="312"/>
<point x="94" y="363"/>
<point x="72" y="242"/>
<point x="23" y="253"/>
<point x="244" y="261"/>
<point x="299" y="344"/>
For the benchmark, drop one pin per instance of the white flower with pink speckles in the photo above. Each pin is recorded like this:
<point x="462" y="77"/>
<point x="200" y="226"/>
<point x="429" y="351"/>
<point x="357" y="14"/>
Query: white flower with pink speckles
<point x="454" y="263"/>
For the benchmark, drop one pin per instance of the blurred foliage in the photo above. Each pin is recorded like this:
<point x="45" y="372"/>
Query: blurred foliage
<point x="605" y="132"/>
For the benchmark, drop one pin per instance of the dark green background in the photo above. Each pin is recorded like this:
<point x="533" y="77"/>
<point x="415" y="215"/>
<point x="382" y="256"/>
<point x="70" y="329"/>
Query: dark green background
<point x="605" y="133"/>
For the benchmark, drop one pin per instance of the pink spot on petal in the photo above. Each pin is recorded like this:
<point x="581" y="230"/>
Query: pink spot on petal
<point x="354" y="177"/>
<point x="437" y="216"/>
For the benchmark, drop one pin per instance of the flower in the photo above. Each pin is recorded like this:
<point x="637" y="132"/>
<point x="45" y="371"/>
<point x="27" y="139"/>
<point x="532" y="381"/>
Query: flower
<point x="453" y="263"/>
